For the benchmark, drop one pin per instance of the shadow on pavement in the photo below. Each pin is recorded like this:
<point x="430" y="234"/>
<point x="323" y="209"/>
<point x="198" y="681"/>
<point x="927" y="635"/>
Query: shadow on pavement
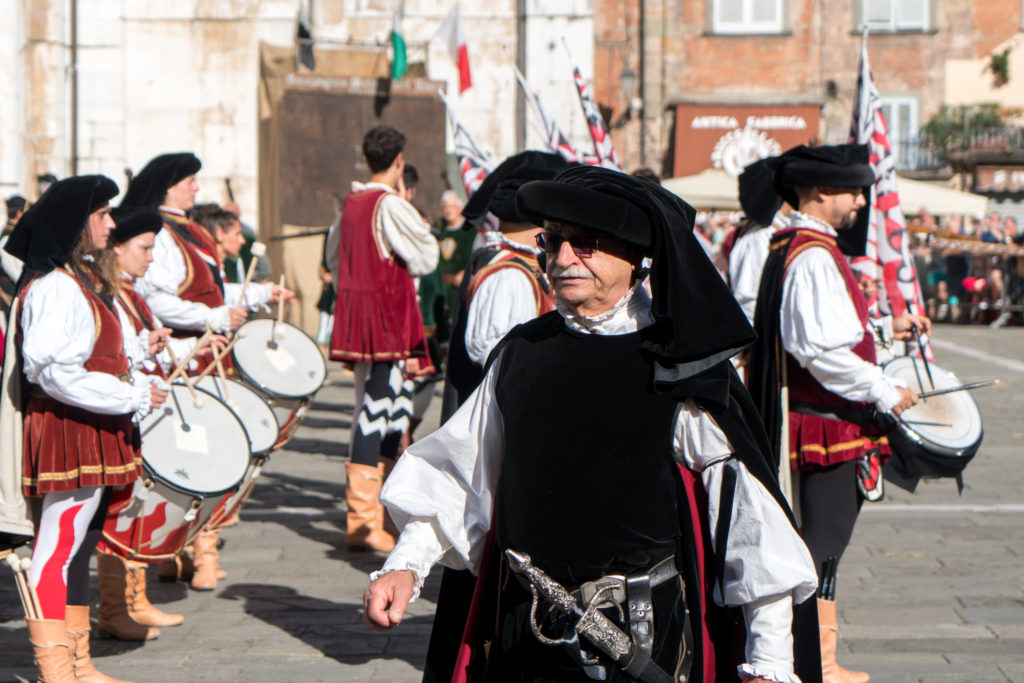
<point x="334" y="628"/>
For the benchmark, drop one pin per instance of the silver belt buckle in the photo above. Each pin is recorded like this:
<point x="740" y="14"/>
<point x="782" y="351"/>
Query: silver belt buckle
<point x="612" y="589"/>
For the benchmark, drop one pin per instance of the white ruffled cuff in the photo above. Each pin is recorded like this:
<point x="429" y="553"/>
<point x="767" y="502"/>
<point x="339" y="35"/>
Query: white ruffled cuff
<point x="746" y="671"/>
<point x="419" y="579"/>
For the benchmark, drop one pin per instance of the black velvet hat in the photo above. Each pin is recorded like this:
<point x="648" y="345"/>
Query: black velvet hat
<point x="149" y="186"/>
<point x="758" y="198"/>
<point x="46" y="235"/>
<point x="133" y="221"/>
<point x="697" y="321"/>
<point x="828" y="166"/>
<point x="497" y="192"/>
<point x="16" y="202"/>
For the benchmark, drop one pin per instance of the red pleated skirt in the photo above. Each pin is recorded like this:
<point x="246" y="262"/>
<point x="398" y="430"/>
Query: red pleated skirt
<point x="67" y="448"/>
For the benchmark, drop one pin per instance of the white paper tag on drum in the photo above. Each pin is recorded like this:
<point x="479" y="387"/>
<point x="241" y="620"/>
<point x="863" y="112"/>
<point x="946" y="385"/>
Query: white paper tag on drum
<point x="194" y="440"/>
<point x="280" y="358"/>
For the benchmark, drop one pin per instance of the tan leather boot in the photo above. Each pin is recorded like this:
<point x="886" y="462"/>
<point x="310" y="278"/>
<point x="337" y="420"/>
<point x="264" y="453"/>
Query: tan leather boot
<point x="205" y="560"/>
<point x="140" y="609"/>
<point x="114" y="620"/>
<point x="77" y="621"/>
<point x="828" y="627"/>
<point x="178" y="568"/>
<point x="385" y="466"/>
<point x="51" y="650"/>
<point x="365" y="513"/>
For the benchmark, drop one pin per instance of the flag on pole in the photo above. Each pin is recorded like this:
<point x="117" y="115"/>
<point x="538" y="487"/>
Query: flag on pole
<point x="888" y="258"/>
<point x="598" y="129"/>
<point x="474" y="164"/>
<point x="399" y="61"/>
<point x="453" y="33"/>
<point x="555" y="140"/>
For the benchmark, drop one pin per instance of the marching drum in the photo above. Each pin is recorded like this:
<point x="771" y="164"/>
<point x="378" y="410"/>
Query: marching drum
<point x="939" y="435"/>
<point x="194" y="458"/>
<point x="260" y="423"/>
<point x="287" y="369"/>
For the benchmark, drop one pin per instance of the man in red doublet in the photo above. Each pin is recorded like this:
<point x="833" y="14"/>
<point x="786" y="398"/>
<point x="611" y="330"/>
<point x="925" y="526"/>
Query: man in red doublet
<point x="378" y="330"/>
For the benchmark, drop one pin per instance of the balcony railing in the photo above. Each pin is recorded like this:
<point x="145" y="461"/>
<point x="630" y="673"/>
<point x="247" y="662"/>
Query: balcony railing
<point x="925" y="152"/>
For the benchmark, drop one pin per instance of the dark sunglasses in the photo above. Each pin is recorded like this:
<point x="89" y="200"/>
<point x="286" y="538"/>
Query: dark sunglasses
<point x="551" y="243"/>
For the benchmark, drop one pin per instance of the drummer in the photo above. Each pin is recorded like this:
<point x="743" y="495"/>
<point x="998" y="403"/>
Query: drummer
<point x="79" y="440"/>
<point x="810" y="300"/>
<point x="125" y="611"/>
<point x="184" y="287"/>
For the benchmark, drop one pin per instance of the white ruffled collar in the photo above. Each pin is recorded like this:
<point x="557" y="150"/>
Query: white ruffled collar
<point x="802" y="220"/>
<point x="630" y="313"/>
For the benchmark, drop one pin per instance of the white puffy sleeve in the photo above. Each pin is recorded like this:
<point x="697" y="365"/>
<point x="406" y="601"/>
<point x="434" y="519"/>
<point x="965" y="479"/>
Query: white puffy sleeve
<point x="441" y="492"/>
<point x="820" y="327"/>
<point x="407" y="235"/>
<point x="58" y="335"/>
<point x="159" y="287"/>
<point x="503" y="300"/>
<point x="257" y="294"/>
<point x="767" y="565"/>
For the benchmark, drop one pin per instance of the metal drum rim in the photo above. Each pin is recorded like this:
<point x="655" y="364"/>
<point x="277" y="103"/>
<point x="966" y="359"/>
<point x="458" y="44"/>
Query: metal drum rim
<point x="270" y="410"/>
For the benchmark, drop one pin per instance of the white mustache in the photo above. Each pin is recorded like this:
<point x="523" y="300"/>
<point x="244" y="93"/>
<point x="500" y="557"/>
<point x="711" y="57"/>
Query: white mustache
<point x="571" y="271"/>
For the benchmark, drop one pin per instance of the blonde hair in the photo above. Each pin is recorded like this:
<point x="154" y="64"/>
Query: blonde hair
<point x="101" y="264"/>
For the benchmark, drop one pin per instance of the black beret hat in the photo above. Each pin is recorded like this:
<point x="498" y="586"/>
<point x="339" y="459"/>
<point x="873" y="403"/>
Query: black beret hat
<point x="497" y="192"/>
<point x="758" y="198"/>
<point x="16" y="202"/>
<point x="133" y="221"/>
<point x="825" y="166"/>
<point x="149" y="187"/>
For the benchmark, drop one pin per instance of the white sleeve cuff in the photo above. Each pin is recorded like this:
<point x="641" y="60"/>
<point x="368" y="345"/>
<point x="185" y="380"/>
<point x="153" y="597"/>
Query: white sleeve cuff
<point x="769" y="651"/>
<point x="755" y="671"/>
<point x="220" y="319"/>
<point x="417" y="550"/>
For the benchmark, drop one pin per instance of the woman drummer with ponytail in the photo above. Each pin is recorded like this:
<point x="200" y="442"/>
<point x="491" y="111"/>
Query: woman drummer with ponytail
<point x="81" y="399"/>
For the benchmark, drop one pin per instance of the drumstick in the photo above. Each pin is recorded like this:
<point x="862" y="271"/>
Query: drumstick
<point x="195" y="397"/>
<point x="272" y="343"/>
<point x="920" y="384"/>
<point x="962" y="387"/>
<point x="180" y="370"/>
<point x="15" y="564"/>
<point x="209" y="368"/>
<point x="924" y="356"/>
<point x="925" y="424"/>
<point x="220" y="371"/>
<point x="257" y="250"/>
<point x="33" y="598"/>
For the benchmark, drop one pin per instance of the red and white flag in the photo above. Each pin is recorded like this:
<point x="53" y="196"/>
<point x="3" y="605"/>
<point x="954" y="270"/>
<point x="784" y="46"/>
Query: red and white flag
<point x="453" y="33"/>
<point x="598" y="129"/>
<point x="555" y="140"/>
<point x="474" y="164"/>
<point x="887" y="258"/>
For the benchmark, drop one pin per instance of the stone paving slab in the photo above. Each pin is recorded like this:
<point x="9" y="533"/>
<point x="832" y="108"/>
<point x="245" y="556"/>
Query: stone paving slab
<point x="931" y="589"/>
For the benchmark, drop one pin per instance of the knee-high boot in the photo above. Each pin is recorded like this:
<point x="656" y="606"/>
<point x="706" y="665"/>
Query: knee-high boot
<point x="365" y="513"/>
<point x="114" y="620"/>
<point x="828" y="625"/>
<point x="51" y="650"/>
<point x="77" y="621"/>
<point x="205" y="560"/>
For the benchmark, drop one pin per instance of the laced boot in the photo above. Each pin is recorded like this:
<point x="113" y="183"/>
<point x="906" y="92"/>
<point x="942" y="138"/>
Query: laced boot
<point x="178" y="568"/>
<point x="52" y="651"/>
<point x="365" y="513"/>
<point x="114" y="620"/>
<point x="828" y="627"/>
<point x="205" y="559"/>
<point x="140" y="609"/>
<point x="77" y="621"/>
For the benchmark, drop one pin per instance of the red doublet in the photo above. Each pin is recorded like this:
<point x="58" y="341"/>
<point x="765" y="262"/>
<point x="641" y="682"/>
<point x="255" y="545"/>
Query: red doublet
<point x="818" y="441"/>
<point x="141" y="316"/>
<point x="67" y="447"/>
<point x="376" y="317"/>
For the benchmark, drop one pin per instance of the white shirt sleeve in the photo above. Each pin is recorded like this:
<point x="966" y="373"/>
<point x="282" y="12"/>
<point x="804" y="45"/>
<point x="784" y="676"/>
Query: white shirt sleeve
<point x="405" y="233"/>
<point x="746" y="262"/>
<point x="441" y="492"/>
<point x="820" y="327"/>
<point x="503" y="300"/>
<point x="159" y="287"/>
<point x="332" y="247"/>
<point x="767" y="565"/>
<point x="257" y="294"/>
<point x="12" y="265"/>
<point x="59" y="332"/>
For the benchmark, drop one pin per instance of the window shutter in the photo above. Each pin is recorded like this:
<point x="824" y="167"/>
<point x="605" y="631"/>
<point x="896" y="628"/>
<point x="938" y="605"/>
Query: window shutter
<point x="911" y="14"/>
<point x="729" y="12"/>
<point x="878" y="13"/>
<point x="765" y="11"/>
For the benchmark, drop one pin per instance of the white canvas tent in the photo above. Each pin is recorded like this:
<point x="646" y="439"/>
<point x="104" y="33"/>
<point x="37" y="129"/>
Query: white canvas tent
<point x="716" y="189"/>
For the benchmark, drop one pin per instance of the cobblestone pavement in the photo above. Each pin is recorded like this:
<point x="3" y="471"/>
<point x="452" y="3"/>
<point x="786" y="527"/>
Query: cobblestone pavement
<point x="931" y="589"/>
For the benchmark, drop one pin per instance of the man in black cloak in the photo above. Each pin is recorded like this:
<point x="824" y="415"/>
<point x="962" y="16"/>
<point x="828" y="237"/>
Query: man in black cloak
<point x="814" y="338"/>
<point x="608" y="442"/>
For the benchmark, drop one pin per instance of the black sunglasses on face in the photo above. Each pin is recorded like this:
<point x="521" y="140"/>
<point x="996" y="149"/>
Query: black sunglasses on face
<point x="551" y="243"/>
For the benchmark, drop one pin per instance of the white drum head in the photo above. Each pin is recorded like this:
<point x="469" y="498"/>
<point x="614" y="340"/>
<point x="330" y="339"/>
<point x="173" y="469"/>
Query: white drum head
<point x="957" y="409"/>
<point x="294" y="369"/>
<point x="203" y="450"/>
<point x="250" y="408"/>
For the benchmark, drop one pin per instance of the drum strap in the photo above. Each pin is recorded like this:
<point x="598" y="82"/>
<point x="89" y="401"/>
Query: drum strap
<point x="854" y="415"/>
